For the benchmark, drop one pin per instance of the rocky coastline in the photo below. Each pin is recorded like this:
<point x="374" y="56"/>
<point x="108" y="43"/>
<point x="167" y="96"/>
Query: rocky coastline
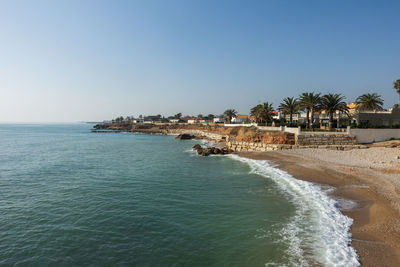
<point x="224" y="136"/>
<point x="241" y="138"/>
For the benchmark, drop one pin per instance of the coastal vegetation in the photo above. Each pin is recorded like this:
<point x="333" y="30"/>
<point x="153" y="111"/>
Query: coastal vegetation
<point x="229" y="114"/>
<point x="396" y="86"/>
<point x="310" y="110"/>
<point x="311" y="102"/>
<point x="290" y="105"/>
<point x="369" y="102"/>
<point x="263" y="112"/>
<point x="332" y="103"/>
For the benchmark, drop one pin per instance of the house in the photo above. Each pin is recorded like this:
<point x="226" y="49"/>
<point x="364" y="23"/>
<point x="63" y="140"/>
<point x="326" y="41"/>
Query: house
<point x="378" y="118"/>
<point x="174" y="120"/>
<point x="277" y="115"/>
<point x="300" y="117"/>
<point x="218" y="119"/>
<point x="152" y="119"/>
<point x="190" y="120"/>
<point x="240" y="119"/>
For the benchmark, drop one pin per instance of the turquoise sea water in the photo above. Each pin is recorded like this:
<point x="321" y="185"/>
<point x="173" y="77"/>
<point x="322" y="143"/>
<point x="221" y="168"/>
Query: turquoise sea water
<point x="72" y="197"/>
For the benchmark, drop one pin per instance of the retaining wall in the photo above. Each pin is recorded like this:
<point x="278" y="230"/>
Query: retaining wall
<point x="320" y="139"/>
<point x="364" y="136"/>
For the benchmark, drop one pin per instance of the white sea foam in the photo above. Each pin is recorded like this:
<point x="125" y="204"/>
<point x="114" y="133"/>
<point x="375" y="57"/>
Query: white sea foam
<point x="317" y="225"/>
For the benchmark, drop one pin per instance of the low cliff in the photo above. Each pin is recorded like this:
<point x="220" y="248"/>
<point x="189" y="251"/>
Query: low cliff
<point x="214" y="132"/>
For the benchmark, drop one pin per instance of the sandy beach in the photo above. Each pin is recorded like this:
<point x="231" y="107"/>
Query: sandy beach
<point x="369" y="177"/>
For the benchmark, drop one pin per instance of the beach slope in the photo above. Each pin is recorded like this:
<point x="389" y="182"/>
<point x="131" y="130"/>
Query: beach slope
<point x="369" y="177"/>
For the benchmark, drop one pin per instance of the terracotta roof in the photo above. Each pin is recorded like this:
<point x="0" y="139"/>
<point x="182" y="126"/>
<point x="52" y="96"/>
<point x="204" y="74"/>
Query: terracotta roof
<point x="242" y="116"/>
<point x="245" y="117"/>
<point x="352" y="106"/>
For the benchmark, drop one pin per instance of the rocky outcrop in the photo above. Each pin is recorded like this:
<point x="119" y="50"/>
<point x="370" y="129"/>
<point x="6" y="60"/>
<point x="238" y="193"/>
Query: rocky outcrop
<point x="253" y="135"/>
<point x="185" y="137"/>
<point x="206" y="151"/>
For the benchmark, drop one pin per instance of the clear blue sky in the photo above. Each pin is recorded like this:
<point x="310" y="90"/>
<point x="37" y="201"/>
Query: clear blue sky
<point x="94" y="60"/>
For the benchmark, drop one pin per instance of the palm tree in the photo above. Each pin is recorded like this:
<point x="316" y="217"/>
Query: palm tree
<point x="332" y="103"/>
<point x="290" y="105"/>
<point x="311" y="102"/>
<point x="229" y="114"/>
<point x="369" y="102"/>
<point x="257" y="112"/>
<point x="263" y="112"/>
<point x="396" y="86"/>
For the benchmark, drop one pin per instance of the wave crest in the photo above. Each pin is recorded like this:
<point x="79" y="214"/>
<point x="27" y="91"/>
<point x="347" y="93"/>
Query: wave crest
<point x="318" y="223"/>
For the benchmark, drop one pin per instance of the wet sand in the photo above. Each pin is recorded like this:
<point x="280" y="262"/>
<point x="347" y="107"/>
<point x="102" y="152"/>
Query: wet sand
<point x="370" y="177"/>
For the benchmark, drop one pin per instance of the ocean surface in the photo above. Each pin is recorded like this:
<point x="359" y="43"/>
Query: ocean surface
<point x="72" y="197"/>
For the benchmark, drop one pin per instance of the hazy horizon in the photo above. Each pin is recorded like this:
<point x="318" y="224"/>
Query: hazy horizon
<point x="71" y="61"/>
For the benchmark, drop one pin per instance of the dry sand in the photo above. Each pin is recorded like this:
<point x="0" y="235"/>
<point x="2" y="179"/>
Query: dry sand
<point x="371" y="177"/>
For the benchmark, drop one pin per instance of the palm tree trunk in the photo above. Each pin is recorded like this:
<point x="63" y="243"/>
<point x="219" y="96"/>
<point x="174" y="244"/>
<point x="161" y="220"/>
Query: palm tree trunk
<point x="312" y="118"/>
<point x="290" y="118"/>
<point x="330" y="121"/>
<point x="308" y="118"/>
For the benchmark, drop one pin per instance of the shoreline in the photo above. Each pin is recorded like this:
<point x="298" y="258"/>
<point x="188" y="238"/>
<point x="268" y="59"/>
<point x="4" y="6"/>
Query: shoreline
<point x="376" y="217"/>
<point x="375" y="230"/>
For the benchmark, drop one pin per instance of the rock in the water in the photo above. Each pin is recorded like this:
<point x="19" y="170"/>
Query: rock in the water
<point x="216" y="150"/>
<point x="184" y="137"/>
<point x="196" y="146"/>
<point x="206" y="151"/>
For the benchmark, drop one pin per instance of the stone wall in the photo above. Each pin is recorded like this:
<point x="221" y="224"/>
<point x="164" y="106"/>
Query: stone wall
<point x="321" y="139"/>
<point x="241" y="146"/>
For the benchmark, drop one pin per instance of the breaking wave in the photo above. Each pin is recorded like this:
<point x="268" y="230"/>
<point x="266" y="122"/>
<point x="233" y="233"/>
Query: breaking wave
<point x="318" y="226"/>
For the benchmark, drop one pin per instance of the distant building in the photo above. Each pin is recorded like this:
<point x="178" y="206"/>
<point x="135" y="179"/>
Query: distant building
<point x="378" y="118"/>
<point x="277" y="115"/>
<point x="174" y="120"/>
<point x="190" y="120"/>
<point x="239" y="119"/>
<point x="218" y="119"/>
<point x="152" y="119"/>
<point x="300" y="117"/>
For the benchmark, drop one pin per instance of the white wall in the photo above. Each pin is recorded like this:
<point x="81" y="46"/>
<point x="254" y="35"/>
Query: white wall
<point x="294" y="130"/>
<point x="240" y="125"/>
<point x="374" y="135"/>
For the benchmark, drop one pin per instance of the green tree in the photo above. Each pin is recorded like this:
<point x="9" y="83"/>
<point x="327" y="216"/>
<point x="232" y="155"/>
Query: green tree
<point x="210" y="117"/>
<point x="369" y="102"/>
<point x="263" y="112"/>
<point x="229" y="114"/>
<point x="178" y="116"/>
<point x="332" y="103"/>
<point x="396" y="86"/>
<point x="119" y="119"/>
<point x="310" y="102"/>
<point x="290" y="105"/>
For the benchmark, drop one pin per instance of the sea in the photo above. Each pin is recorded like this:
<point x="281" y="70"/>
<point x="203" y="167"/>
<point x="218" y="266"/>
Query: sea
<point x="70" y="197"/>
